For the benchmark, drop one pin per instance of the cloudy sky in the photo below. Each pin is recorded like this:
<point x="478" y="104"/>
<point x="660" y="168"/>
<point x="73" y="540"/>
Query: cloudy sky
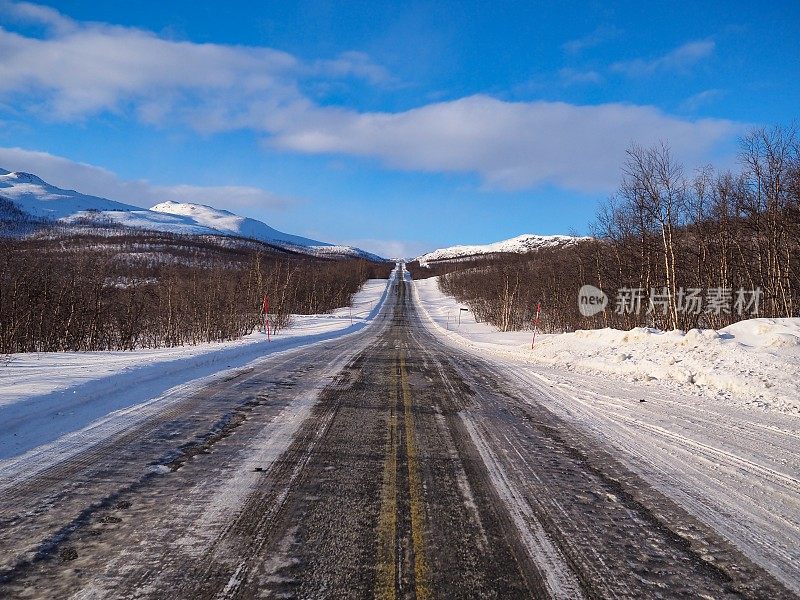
<point x="399" y="127"/>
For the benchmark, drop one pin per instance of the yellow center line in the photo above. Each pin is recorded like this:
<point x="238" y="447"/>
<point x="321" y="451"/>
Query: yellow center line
<point x="421" y="571"/>
<point x="388" y="570"/>
<point x="387" y="520"/>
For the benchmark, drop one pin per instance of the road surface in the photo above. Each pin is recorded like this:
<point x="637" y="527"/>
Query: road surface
<point x="380" y="465"/>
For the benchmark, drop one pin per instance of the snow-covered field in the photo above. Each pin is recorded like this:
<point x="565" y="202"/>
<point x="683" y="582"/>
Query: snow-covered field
<point x="44" y="396"/>
<point x="710" y="419"/>
<point x="754" y="362"/>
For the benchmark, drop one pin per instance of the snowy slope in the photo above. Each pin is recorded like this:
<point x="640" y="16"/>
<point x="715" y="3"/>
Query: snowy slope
<point x="519" y="245"/>
<point x="140" y="219"/>
<point x="228" y="222"/>
<point x="44" y="202"/>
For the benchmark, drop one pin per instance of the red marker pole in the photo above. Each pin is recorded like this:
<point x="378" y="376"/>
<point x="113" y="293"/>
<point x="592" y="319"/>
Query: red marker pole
<point x="535" y="323"/>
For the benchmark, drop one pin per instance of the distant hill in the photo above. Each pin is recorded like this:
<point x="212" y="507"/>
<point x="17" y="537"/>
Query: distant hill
<point x="27" y="200"/>
<point x="521" y="244"/>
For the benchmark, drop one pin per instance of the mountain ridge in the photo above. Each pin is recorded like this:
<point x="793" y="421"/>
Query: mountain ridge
<point x="521" y="244"/>
<point x="42" y="202"/>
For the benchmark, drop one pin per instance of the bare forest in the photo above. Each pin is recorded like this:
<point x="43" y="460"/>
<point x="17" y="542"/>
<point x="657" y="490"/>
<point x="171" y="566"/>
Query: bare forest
<point x="144" y="290"/>
<point x="671" y="249"/>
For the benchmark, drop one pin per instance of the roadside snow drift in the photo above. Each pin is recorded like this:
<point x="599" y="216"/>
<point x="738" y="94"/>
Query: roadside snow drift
<point x="754" y="362"/>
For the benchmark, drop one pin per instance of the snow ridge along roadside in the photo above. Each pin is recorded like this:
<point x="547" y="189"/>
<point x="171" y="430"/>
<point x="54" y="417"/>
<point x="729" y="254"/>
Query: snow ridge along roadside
<point x="753" y="363"/>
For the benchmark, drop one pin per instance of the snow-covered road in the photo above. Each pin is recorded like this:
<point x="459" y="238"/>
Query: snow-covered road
<point x="383" y="464"/>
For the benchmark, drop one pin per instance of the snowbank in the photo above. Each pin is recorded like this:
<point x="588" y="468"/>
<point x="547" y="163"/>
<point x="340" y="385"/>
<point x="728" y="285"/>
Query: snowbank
<point x="43" y="396"/>
<point x="754" y="362"/>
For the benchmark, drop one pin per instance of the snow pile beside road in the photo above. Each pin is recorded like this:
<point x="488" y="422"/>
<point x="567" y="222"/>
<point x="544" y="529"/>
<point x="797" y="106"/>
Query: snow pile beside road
<point x="764" y="333"/>
<point x="754" y="362"/>
<point x="757" y="360"/>
<point x="43" y="396"/>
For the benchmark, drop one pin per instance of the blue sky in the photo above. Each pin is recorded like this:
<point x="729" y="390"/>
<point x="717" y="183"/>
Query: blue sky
<point x="399" y="127"/>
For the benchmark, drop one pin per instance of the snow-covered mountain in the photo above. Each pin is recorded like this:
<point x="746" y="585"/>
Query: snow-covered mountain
<point x="223" y="220"/>
<point x="518" y="245"/>
<point x="230" y="223"/>
<point x="36" y="200"/>
<point x="41" y="200"/>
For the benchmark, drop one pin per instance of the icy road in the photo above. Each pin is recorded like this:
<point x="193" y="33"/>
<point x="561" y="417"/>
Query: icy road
<point x="383" y="464"/>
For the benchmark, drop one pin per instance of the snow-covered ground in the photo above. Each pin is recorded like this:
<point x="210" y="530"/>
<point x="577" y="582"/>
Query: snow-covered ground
<point x="44" y="396"/>
<point x="754" y="362"/>
<point x="710" y="419"/>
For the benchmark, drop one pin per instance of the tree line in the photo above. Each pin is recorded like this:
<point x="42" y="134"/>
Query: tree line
<point x="151" y="290"/>
<point x="671" y="249"/>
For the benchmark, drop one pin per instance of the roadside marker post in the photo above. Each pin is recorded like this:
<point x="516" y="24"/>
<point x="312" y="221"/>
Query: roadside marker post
<point x="460" y="310"/>
<point x="535" y="323"/>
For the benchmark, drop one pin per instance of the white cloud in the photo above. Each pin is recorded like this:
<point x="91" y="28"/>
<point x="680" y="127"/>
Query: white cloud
<point x="678" y="60"/>
<point x="97" y="181"/>
<point x="602" y="34"/>
<point x="354" y="64"/>
<point x="571" y="76"/>
<point x="510" y="144"/>
<point x="696" y="101"/>
<point x="81" y="69"/>
<point x="102" y="68"/>
<point x="39" y="14"/>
